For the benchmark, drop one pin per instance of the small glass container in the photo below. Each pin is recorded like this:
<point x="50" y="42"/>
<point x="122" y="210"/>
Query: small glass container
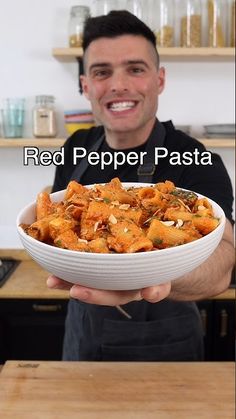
<point x="135" y="7"/>
<point x="44" y="117"/>
<point x="217" y="21"/>
<point x="190" y="23"/>
<point x="163" y="23"/>
<point x="12" y="113"/>
<point x="103" y="7"/>
<point x="78" y="15"/>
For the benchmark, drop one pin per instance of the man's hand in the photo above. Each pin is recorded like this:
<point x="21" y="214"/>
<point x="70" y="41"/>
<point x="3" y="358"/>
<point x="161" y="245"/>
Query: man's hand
<point x="111" y="298"/>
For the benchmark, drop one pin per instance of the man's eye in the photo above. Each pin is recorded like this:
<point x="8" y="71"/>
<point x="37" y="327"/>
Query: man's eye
<point x="101" y="73"/>
<point x="137" y="70"/>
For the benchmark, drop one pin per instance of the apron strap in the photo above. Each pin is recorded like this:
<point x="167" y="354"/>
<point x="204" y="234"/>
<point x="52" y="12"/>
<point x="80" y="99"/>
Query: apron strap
<point x="145" y="171"/>
<point x="157" y="138"/>
<point x="83" y="166"/>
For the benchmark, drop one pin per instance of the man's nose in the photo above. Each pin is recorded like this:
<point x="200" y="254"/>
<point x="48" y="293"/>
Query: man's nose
<point x="119" y="82"/>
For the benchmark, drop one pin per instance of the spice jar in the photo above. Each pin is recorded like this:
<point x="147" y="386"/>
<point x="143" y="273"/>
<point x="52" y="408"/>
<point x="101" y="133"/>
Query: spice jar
<point x="44" y="117"/>
<point x="217" y="16"/>
<point x="78" y="15"/>
<point x="190" y="23"/>
<point x="163" y="23"/>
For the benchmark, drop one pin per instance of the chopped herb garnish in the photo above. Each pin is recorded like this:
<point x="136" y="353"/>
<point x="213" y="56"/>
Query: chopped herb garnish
<point x="157" y="242"/>
<point x="184" y="194"/>
<point x="174" y="192"/>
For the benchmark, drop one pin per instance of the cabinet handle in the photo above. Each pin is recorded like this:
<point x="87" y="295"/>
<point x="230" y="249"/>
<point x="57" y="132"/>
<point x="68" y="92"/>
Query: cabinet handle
<point x="203" y="314"/>
<point x="223" y="323"/>
<point x="46" y="308"/>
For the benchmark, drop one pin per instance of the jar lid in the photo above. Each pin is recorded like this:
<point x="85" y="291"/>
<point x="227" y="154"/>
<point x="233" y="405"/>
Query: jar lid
<point x="80" y="11"/>
<point x="44" y="98"/>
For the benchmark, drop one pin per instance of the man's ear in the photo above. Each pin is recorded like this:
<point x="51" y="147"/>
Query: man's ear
<point x="84" y="84"/>
<point x="161" y="79"/>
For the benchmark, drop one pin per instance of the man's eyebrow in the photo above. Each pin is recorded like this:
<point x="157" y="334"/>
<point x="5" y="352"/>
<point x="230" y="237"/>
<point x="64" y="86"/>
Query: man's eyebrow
<point x="126" y="62"/>
<point x="98" y="65"/>
<point x="135" y="62"/>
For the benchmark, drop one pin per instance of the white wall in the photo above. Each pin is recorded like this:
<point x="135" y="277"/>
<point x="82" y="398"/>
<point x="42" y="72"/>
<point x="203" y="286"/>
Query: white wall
<point x="197" y="93"/>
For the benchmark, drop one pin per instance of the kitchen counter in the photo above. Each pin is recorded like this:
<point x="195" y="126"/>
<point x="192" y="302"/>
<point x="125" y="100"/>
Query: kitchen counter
<point x="90" y="390"/>
<point x="29" y="280"/>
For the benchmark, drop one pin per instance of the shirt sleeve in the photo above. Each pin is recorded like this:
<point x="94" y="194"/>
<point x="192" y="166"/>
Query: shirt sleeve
<point x="212" y="181"/>
<point x="81" y="138"/>
<point x="64" y="171"/>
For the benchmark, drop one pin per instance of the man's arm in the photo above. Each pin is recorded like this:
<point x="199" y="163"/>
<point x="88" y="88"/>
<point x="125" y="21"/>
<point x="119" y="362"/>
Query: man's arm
<point x="211" y="278"/>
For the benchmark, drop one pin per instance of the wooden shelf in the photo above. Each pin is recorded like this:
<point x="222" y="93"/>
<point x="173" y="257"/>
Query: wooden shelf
<point x="31" y="142"/>
<point x="218" y="142"/>
<point x="58" y="142"/>
<point x="169" y="54"/>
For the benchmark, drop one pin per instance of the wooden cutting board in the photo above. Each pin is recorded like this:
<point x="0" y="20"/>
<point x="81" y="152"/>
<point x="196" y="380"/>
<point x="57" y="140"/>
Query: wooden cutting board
<point x="90" y="390"/>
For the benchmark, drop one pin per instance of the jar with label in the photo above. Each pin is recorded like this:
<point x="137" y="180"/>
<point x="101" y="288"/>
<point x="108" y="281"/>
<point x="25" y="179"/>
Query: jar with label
<point x="190" y="23"/>
<point x="163" y="23"/>
<point x="44" y="117"/>
<point x="78" y="15"/>
<point x="217" y="21"/>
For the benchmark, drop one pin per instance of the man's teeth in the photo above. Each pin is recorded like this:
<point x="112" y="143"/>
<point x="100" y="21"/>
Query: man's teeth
<point x="121" y="106"/>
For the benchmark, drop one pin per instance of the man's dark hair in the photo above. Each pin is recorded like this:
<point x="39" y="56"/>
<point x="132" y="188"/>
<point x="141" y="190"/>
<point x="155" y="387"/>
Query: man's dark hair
<point x="116" y="23"/>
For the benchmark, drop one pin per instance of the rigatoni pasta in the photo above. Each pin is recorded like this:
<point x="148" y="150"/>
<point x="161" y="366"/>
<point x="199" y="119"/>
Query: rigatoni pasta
<point x="112" y="219"/>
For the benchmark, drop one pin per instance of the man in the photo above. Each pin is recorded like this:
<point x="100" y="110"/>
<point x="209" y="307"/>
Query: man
<point x="123" y="81"/>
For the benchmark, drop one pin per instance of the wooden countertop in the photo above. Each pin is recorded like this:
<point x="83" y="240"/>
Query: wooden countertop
<point x="29" y="280"/>
<point x="90" y="390"/>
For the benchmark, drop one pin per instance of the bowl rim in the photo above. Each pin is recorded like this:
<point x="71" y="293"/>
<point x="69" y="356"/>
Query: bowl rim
<point x="174" y="249"/>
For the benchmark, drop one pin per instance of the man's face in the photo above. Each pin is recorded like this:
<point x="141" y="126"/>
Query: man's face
<point x="122" y="82"/>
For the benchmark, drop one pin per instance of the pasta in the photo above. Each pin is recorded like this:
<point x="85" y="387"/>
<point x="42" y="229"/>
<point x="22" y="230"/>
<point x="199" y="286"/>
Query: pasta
<point x="111" y="219"/>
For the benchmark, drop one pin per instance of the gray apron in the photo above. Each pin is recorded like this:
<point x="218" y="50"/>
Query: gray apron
<point x="165" y="331"/>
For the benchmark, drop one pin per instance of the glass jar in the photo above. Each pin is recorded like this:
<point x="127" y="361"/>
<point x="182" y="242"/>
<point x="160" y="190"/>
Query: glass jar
<point x="44" y="117"/>
<point x="135" y="7"/>
<point x="103" y="7"/>
<point x="217" y="17"/>
<point x="232" y="23"/>
<point x="190" y="23"/>
<point x="163" y="23"/>
<point x="78" y="15"/>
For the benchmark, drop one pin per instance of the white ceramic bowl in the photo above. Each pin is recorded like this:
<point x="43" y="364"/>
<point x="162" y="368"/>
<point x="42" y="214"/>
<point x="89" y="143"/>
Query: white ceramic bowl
<point x="119" y="271"/>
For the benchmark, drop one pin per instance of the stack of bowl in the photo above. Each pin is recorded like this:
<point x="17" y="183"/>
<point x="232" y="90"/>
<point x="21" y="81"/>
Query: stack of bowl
<point x="78" y="119"/>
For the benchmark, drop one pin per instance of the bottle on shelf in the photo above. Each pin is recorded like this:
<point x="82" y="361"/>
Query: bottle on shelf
<point x="190" y="28"/>
<point x="163" y="23"/>
<point x="44" y="117"/>
<point x="78" y="15"/>
<point x="217" y="21"/>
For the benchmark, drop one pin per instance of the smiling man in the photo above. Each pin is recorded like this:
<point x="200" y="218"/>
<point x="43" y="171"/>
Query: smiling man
<point x="123" y="80"/>
<point x="123" y="87"/>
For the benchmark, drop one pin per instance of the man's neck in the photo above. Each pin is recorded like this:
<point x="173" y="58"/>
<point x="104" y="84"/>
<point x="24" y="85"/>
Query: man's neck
<point x="130" y="139"/>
